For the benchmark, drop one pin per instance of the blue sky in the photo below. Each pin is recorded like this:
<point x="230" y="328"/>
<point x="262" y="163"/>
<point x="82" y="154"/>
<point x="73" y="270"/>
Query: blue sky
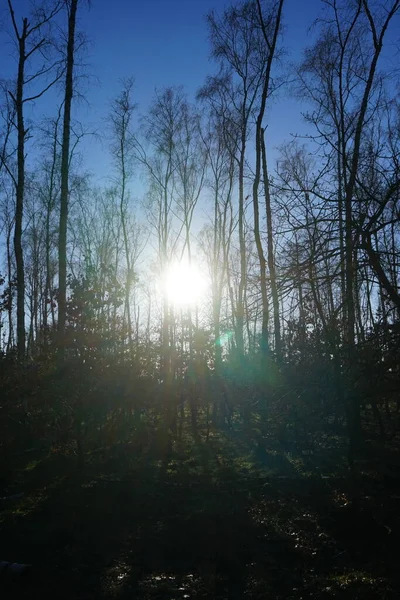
<point x="162" y="43"/>
<point x="159" y="43"/>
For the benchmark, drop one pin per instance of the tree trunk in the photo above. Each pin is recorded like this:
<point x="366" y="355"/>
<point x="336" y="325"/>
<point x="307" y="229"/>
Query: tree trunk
<point x="20" y="191"/>
<point x="10" y="339"/>
<point x="62" y="241"/>
<point x="271" y="258"/>
<point x="261" y="156"/>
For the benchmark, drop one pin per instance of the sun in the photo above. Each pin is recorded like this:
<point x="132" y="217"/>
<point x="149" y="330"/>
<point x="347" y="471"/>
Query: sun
<point x="184" y="284"/>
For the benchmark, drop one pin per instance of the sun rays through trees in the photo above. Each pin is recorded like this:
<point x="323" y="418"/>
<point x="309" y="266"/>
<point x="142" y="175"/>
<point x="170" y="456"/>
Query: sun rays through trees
<point x="214" y="303"/>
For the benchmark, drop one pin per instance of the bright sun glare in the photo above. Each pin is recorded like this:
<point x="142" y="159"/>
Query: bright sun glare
<point x="185" y="285"/>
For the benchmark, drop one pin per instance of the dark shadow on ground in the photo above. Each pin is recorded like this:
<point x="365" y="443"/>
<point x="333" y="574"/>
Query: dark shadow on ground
<point x="220" y="519"/>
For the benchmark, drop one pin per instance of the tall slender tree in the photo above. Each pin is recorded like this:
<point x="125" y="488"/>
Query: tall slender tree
<point x="122" y="152"/>
<point x="31" y="40"/>
<point x="269" y="25"/>
<point x="72" y="7"/>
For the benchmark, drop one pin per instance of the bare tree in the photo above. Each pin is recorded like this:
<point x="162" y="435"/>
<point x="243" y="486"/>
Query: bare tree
<point x="340" y="76"/>
<point x="72" y="7"/>
<point x="31" y="40"/>
<point x="269" y="26"/>
<point x="48" y="190"/>
<point x="122" y="151"/>
<point x="235" y="92"/>
<point x="216" y="237"/>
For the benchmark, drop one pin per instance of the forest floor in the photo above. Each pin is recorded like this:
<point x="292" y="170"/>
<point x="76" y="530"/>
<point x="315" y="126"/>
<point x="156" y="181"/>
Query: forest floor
<point x="223" y="518"/>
